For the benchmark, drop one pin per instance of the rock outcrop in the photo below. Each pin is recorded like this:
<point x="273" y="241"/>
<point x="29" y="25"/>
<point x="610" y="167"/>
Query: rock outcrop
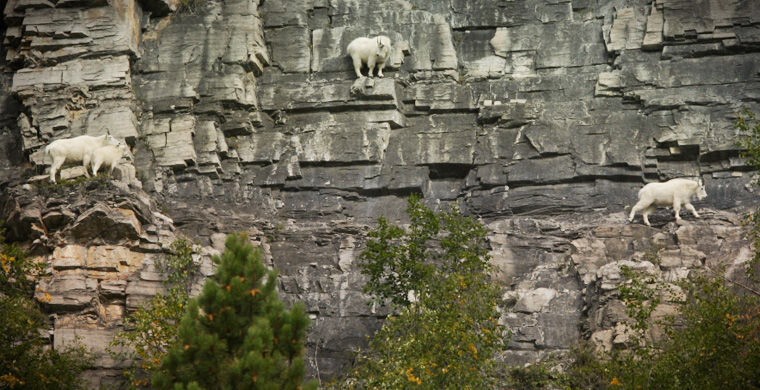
<point x="543" y="118"/>
<point x="100" y="242"/>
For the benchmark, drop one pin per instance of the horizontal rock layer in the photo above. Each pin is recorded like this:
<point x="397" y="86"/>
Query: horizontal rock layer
<point x="541" y="117"/>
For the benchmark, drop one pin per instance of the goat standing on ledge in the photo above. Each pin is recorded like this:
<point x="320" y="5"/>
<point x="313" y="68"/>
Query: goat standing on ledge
<point x="674" y="192"/>
<point x="108" y="156"/>
<point x="370" y="51"/>
<point x="77" y="149"/>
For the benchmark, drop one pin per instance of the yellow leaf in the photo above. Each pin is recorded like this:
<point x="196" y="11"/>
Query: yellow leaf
<point x="6" y="262"/>
<point x="411" y="377"/>
<point x="11" y="380"/>
<point x="46" y="297"/>
<point x="473" y="349"/>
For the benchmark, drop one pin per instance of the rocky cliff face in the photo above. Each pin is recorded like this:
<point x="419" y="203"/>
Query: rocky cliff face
<point x="541" y="117"/>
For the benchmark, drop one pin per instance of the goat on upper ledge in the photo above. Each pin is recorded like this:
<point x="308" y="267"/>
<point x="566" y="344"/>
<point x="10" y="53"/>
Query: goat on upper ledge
<point x="371" y="51"/>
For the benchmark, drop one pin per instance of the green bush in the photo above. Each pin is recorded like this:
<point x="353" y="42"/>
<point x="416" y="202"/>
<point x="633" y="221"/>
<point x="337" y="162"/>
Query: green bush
<point x="449" y="335"/>
<point x="26" y="361"/>
<point x="749" y="128"/>
<point x="713" y="342"/>
<point x="749" y="139"/>
<point x="190" y="6"/>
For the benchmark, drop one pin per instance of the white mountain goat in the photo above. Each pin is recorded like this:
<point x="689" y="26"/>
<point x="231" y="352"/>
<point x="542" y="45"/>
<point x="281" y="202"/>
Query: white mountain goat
<point x="77" y="149"/>
<point x="371" y="51"/>
<point x="108" y="156"/>
<point x="674" y="192"/>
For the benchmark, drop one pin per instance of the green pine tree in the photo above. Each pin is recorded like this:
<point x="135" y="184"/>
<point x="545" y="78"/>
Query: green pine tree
<point x="238" y="334"/>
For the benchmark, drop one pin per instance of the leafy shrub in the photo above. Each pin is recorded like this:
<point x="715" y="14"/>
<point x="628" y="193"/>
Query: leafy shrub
<point x="190" y="6"/>
<point x="26" y="361"/>
<point x="749" y="128"/>
<point x="446" y="332"/>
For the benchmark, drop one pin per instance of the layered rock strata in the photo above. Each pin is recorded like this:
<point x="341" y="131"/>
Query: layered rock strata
<point x="543" y="118"/>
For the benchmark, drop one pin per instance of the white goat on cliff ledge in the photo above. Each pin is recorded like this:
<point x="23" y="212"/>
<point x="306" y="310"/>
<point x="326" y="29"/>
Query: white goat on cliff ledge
<point x="370" y="51"/>
<point x="674" y="192"/>
<point x="107" y="156"/>
<point x="76" y="149"/>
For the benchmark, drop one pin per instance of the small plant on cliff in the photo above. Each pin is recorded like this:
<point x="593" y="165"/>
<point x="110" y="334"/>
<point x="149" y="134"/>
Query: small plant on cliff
<point x="446" y="331"/>
<point x="237" y="333"/>
<point x="153" y="328"/>
<point x="712" y="342"/>
<point x="749" y="128"/>
<point x="64" y="186"/>
<point x="641" y="294"/>
<point x="26" y="361"/>
<point x="190" y="6"/>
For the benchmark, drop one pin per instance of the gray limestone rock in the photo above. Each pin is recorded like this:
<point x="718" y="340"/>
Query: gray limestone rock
<point x="107" y="224"/>
<point x="535" y="300"/>
<point x="543" y="118"/>
<point x="95" y="340"/>
<point x="67" y="292"/>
